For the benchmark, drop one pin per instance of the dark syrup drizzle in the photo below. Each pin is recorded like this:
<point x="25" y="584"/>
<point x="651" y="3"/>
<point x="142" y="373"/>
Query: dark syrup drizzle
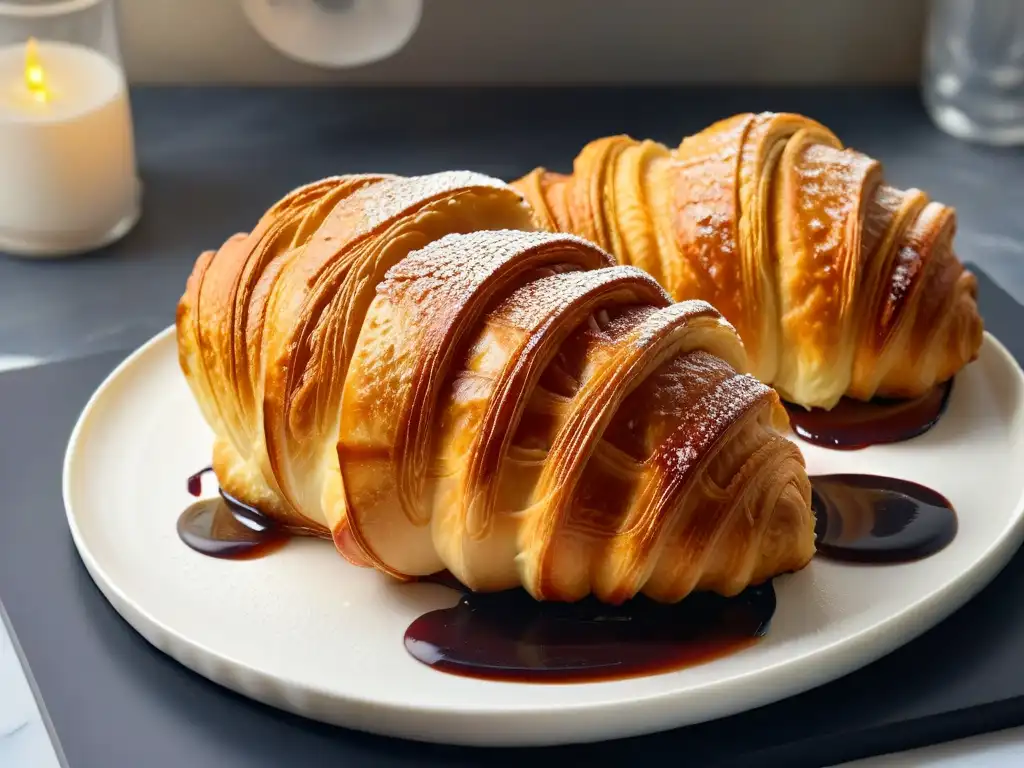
<point x="227" y="528"/>
<point x="512" y="637"/>
<point x="871" y="519"/>
<point x="852" y="425"/>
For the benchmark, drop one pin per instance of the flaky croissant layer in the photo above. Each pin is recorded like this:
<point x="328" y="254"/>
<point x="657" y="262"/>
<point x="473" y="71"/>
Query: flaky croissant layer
<point x="403" y="363"/>
<point x="837" y="283"/>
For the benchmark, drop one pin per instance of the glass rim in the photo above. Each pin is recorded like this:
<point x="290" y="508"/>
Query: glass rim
<point x="42" y="9"/>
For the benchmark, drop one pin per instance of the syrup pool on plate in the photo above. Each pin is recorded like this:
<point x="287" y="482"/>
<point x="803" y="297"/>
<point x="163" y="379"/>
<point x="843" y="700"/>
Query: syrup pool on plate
<point x="509" y="636"/>
<point x="853" y="424"/>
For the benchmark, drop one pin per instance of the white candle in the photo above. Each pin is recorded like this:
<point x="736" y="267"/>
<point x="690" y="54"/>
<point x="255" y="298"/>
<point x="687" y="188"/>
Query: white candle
<point x="67" y="157"/>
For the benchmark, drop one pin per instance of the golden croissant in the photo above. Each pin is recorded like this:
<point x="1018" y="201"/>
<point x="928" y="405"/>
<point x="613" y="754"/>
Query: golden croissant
<point x="403" y="364"/>
<point x="837" y="283"/>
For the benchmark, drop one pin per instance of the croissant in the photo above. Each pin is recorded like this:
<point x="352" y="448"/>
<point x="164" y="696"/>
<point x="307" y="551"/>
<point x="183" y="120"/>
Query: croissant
<point x="402" y="364"/>
<point x="837" y="283"/>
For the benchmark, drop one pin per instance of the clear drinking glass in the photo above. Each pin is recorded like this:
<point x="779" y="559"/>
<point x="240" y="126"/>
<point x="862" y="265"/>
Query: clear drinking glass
<point x="974" y="69"/>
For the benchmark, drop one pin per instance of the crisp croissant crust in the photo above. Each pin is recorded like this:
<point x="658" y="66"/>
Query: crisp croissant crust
<point x="837" y="283"/>
<point x="401" y="363"/>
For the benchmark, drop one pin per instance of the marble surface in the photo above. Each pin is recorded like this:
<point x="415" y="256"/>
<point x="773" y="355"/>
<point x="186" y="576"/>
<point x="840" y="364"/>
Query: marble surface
<point x="24" y="737"/>
<point x="1002" y="749"/>
<point x="212" y="161"/>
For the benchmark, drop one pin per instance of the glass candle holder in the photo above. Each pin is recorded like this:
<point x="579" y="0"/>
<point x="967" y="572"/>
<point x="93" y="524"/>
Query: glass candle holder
<point x="68" y="177"/>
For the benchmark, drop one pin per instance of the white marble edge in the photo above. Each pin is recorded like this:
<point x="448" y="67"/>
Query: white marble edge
<point x="998" y="749"/>
<point x="26" y="739"/>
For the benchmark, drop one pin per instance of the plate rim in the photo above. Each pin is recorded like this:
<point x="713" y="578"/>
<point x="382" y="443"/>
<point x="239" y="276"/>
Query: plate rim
<point x="789" y="677"/>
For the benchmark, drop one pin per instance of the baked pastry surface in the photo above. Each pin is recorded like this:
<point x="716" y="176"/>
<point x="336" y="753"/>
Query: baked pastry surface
<point x="403" y="363"/>
<point x="838" y="283"/>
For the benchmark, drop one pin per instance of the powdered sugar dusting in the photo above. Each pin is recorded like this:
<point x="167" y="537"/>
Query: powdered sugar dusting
<point x="554" y="294"/>
<point x="478" y="253"/>
<point x="830" y="181"/>
<point x="707" y="421"/>
<point x="655" y="324"/>
<point x="389" y="198"/>
<point x="908" y="262"/>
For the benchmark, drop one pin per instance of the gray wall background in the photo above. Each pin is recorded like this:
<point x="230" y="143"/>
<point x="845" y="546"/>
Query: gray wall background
<point x="556" y="42"/>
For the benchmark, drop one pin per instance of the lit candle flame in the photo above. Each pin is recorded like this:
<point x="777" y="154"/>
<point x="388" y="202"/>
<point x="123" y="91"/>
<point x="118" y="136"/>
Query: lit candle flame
<point x="34" y="76"/>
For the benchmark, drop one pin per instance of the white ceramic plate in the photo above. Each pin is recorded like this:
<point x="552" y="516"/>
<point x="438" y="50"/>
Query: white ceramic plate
<point x="304" y="631"/>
